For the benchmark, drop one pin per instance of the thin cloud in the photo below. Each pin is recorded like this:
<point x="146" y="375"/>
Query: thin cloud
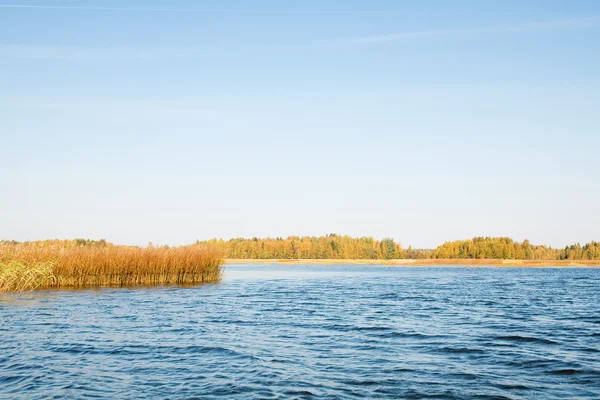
<point x="563" y="24"/>
<point x="74" y="53"/>
<point x="215" y="10"/>
<point x="70" y="53"/>
<point x="105" y="54"/>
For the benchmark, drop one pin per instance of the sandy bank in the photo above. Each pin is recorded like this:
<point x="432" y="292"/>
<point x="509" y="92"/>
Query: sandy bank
<point x="425" y="263"/>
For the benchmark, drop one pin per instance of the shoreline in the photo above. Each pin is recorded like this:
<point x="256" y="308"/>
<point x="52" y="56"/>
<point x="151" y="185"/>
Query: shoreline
<point x="424" y="262"/>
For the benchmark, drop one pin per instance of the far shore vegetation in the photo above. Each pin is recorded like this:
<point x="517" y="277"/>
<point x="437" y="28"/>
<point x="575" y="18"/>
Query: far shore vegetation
<point x="87" y="263"/>
<point x="83" y="263"/>
<point x="366" y="248"/>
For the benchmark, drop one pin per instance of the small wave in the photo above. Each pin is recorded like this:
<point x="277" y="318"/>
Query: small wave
<point x="403" y="370"/>
<point x="299" y="393"/>
<point x="371" y="328"/>
<point x="530" y="364"/>
<point x="572" y="371"/>
<point x="407" y="335"/>
<point x="590" y="350"/>
<point x="582" y="318"/>
<point x="525" y="339"/>
<point x="421" y="395"/>
<point x="201" y="350"/>
<point x="76" y="349"/>
<point x="513" y="387"/>
<point x="461" y="350"/>
<point x="465" y="376"/>
<point x="358" y="382"/>
<point x="12" y="379"/>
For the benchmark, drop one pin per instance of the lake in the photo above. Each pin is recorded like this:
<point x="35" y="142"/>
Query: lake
<point x="303" y="332"/>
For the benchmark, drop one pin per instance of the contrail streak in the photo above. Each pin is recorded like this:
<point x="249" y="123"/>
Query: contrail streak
<point x="216" y="10"/>
<point x="562" y="24"/>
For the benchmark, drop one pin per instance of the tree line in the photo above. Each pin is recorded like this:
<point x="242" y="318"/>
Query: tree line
<point x="334" y="246"/>
<point x="322" y="247"/>
<point x="57" y="243"/>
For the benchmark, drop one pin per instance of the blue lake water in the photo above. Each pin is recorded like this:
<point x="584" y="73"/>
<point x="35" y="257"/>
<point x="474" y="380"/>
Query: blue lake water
<point x="304" y="332"/>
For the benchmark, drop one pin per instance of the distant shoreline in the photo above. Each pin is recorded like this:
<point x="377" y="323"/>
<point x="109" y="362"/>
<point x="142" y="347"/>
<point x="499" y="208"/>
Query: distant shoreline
<point x="424" y="262"/>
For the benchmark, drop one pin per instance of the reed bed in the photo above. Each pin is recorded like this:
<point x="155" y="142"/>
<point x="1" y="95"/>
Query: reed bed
<point x="28" y="267"/>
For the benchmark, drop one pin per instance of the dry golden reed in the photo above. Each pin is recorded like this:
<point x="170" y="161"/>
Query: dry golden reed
<point x="31" y="267"/>
<point x="17" y="277"/>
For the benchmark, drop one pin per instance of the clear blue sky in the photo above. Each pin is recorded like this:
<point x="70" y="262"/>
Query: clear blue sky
<point x="425" y="121"/>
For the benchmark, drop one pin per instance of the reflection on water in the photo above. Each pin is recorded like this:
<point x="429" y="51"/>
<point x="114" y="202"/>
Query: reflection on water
<point x="312" y="332"/>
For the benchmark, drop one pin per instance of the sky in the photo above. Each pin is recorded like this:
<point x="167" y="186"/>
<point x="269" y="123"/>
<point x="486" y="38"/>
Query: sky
<point x="424" y="121"/>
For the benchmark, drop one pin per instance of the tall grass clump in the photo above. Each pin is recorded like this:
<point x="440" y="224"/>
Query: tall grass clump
<point x="17" y="277"/>
<point x="28" y="267"/>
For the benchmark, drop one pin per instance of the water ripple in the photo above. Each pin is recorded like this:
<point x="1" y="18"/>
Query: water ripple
<point x="276" y="332"/>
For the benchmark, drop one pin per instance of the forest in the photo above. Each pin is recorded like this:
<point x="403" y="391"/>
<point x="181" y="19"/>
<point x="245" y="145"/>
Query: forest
<point x="322" y="247"/>
<point x="334" y="246"/>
